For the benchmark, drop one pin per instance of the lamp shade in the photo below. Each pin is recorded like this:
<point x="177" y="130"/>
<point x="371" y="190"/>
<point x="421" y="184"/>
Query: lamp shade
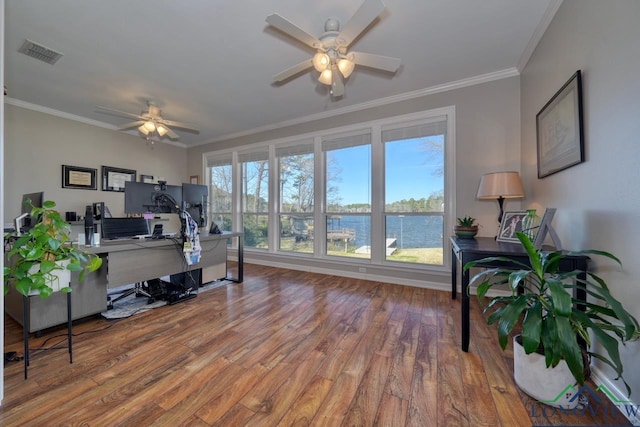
<point x="321" y="61"/>
<point x="496" y="185"/>
<point x="325" y="77"/>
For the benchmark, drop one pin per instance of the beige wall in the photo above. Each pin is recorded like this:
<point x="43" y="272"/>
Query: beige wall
<point x="38" y="144"/>
<point x="487" y="138"/>
<point x="598" y="201"/>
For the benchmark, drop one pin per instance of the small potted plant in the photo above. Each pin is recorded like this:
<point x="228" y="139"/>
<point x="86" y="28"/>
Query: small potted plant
<point x="466" y="228"/>
<point x="553" y="349"/>
<point x="41" y="260"/>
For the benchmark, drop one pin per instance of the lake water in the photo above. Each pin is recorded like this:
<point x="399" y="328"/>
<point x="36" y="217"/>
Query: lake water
<point x="409" y="231"/>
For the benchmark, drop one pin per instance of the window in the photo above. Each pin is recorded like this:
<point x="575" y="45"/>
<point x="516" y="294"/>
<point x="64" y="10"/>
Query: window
<point x="296" y="197"/>
<point x="374" y="193"/>
<point x="255" y="199"/>
<point x="414" y="192"/>
<point x="348" y="195"/>
<point x="220" y="192"/>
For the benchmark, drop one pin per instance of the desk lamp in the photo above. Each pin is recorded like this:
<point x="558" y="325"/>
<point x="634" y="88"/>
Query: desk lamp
<point x="500" y="186"/>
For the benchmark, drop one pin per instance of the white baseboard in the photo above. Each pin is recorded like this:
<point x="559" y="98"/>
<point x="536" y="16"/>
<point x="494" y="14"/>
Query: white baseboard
<point x="599" y="379"/>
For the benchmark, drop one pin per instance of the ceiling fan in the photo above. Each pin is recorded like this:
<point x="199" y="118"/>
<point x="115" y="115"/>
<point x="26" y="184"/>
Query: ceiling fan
<point x="332" y="60"/>
<point x="150" y="122"/>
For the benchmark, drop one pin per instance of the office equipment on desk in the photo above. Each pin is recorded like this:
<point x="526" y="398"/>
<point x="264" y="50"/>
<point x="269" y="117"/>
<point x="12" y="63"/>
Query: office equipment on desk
<point x="214" y="229"/>
<point x="23" y="221"/>
<point x="141" y="198"/>
<point x="466" y="250"/>
<point x="100" y="210"/>
<point x="119" y="228"/>
<point x="88" y="226"/>
<point x="195" y="202"/>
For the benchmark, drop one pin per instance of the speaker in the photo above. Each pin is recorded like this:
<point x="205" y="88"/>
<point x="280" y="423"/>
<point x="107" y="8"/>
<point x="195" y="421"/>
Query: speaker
<point x="88" y="226"/>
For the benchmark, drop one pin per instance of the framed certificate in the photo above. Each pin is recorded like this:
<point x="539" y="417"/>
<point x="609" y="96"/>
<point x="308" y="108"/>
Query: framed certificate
<point x="79" y="177"/>
<point x="113" y="179"/>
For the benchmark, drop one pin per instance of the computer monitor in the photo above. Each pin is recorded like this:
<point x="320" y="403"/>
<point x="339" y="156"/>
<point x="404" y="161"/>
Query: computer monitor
<point x="141" y="198"/>
<point x="24" y="220"/>
<point x="194" y="201"/>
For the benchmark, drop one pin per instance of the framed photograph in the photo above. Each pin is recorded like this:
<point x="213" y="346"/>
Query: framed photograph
<point x="79" y="177"/>
<point x="194" y="179"/>
<point x="510" y="225"/>
<point x="113" y="179"/>
<point x="560" y="136"/>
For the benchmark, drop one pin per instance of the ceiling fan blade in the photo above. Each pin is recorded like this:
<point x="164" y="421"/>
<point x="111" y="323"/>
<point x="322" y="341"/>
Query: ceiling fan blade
<point x="184" y="126"/>
<point x="337" y="84"/>
<point x="364" y="16"/>
<point x="380" y="62"/>
<point x="171" y="134"/>
<point x="293" y="30"/>
<point x="292" y="71"/>
<point x="131" y="125"/>
<point x="120" y="113"/>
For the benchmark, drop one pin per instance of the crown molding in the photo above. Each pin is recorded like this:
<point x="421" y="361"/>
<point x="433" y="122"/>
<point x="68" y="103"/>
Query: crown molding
<point x="544" y="23"/>
<point x="458" y="84"/>
<point x="75" y="118"/>
<point x="484" y="78"/>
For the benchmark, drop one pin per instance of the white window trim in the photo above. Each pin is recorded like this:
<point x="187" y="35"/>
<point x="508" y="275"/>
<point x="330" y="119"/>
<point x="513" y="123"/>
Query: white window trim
<point x="377" y="184"/>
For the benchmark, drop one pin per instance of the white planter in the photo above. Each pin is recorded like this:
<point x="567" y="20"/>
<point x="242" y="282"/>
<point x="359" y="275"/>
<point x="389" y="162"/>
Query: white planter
<point x="61" y="278"/>
<point x="551" y="386"/>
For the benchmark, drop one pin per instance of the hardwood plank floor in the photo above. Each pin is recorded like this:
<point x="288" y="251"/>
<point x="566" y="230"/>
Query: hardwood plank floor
<point x="283" y="348"/>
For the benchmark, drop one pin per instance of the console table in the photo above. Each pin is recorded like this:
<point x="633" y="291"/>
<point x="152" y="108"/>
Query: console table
<point x="466" y="250"/>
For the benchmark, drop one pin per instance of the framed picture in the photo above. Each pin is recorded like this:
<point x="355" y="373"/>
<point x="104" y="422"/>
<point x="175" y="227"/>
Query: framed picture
<point x="194" y="179"/>
<point x="150" y="179"/>
<point x="546" y="228"/>
<point x="510" y="225"/>
<point x="560" y="136"/>
<point x="113" y="179"/>
<point x="79" y="177"/>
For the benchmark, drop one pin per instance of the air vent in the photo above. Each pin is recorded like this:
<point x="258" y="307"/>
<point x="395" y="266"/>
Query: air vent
<point x="40" y="52"/>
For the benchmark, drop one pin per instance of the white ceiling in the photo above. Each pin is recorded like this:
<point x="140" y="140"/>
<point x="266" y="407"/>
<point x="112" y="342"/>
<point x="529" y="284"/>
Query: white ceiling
<point x="210" y="62"/>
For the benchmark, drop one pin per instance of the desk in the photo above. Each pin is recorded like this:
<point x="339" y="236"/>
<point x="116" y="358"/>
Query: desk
<point x="132" y="261"/>
<point x="466" y="250"/>
<point x="124" y="262"/>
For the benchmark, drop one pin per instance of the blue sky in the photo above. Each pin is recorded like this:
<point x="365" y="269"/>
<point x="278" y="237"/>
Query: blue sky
<point x="408" y="172"/>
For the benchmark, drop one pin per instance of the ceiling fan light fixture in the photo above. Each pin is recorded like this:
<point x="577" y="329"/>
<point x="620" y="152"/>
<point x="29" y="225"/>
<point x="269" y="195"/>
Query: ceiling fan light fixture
<point x="326" y="77"/>
<point x="150" y="126"/>
<point x="144" y="130"/>
<point x="346" y="67"/>
<point x="321" y="61"/>
<point x="162" y="131"/>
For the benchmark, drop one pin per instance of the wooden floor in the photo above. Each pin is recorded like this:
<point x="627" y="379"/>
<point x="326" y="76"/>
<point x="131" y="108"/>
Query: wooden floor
<point x="282" y="348"/>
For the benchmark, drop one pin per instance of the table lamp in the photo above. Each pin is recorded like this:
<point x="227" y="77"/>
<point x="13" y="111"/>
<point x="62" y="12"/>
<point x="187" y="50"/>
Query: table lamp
<point x="500" y="186"/>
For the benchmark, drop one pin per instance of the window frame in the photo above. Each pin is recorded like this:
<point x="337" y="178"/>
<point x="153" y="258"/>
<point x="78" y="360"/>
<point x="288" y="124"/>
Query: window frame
<point x="377" y="187"/>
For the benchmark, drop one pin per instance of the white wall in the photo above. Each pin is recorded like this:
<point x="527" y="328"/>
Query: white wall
<point x="598" y="201"/>
<point x="38" y="144"/>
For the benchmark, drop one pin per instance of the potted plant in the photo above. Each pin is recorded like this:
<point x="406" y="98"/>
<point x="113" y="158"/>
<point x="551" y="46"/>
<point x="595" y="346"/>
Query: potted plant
<point x="466" y="228"/>
<point x="553" y="327"/>
<point x="41" y="255"/>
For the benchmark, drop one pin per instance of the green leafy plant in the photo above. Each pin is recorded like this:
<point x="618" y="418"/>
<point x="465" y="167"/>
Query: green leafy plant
<point x="467" y="221"/>
<point x="37" y="253"/>
<point x="551" y="321"/>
